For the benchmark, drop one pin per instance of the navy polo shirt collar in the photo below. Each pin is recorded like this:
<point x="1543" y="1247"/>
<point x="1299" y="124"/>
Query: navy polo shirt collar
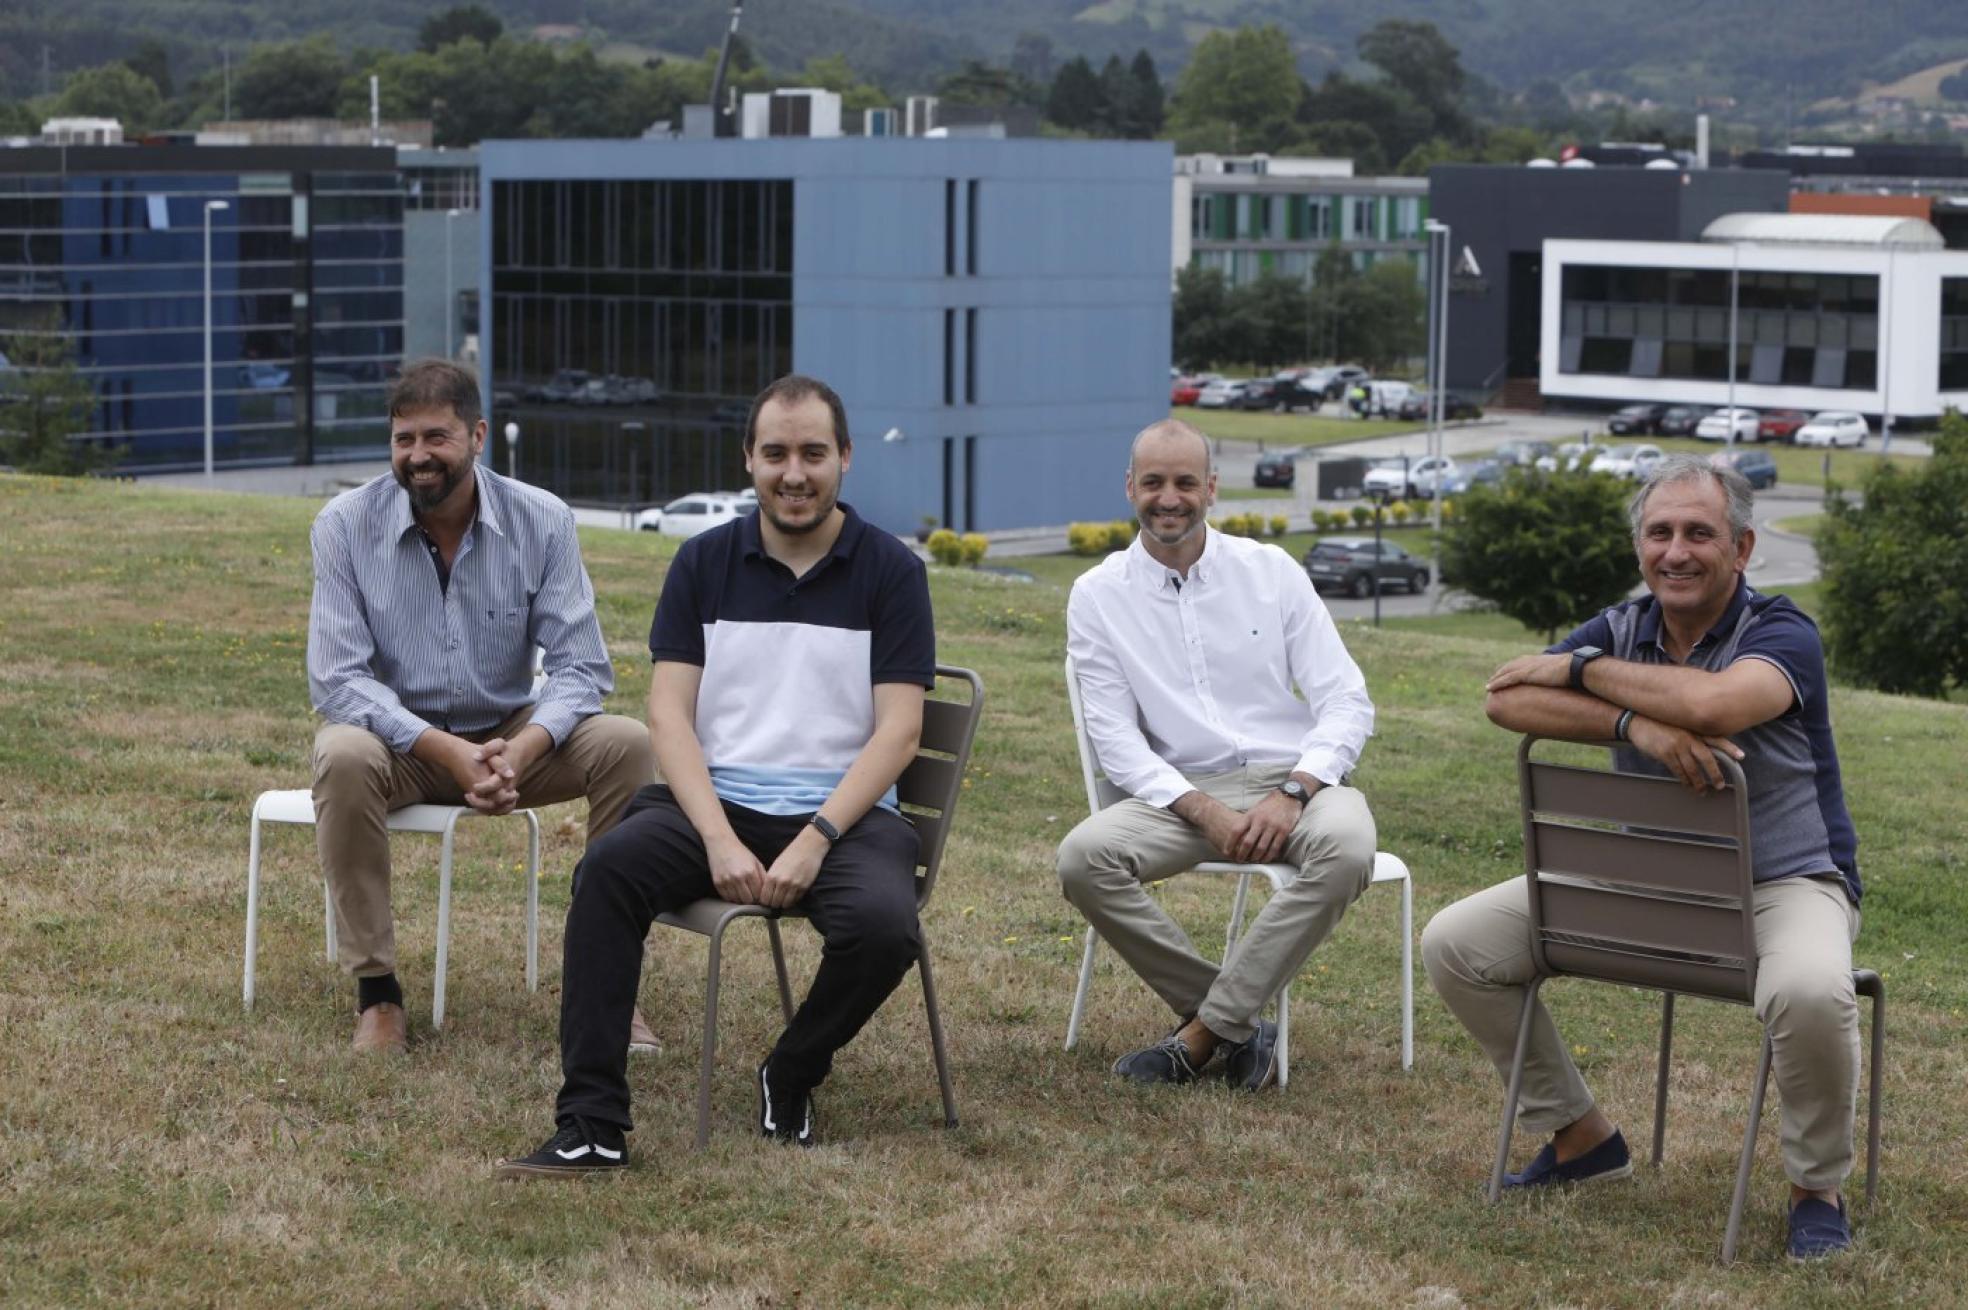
<point x="751" y="538"/>
<point x="1648" y="631"/>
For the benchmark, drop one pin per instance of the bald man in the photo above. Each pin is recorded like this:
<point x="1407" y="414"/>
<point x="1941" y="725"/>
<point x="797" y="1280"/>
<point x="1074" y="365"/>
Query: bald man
<point x="1219" y="696"/>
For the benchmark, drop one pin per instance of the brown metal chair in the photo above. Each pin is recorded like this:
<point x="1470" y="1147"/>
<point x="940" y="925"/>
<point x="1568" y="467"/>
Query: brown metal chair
<point x="928" y="791"/>
<point x="1639" y="881"/>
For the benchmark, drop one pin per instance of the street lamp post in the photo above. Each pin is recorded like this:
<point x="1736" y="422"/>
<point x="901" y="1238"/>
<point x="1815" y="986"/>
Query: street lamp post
<point x="450" y="306"/>
<point x="512" y="450"/>
<point x="1439" y="355"/>
<point x="211" y="207"/>
<point x="1735" y="280"/>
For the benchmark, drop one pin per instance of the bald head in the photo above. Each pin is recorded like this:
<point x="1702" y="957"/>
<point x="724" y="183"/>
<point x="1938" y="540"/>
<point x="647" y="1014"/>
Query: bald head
<point x="1170" y="436"/>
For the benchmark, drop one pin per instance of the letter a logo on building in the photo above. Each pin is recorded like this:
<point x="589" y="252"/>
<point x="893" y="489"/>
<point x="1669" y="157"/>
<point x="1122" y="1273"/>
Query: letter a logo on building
<point x="1466" y="265"/>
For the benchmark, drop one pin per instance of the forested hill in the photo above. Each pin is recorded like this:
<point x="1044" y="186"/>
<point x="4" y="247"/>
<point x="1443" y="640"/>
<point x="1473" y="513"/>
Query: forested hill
<point x="1760" y="52"/>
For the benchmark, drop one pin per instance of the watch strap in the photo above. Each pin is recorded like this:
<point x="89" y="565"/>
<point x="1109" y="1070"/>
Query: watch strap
<point x="827" y="829"/>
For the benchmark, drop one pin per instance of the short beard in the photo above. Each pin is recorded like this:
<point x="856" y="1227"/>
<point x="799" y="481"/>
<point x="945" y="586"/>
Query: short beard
<point x="798" y="529"/>
<point x="423" y="501"/>
<point x="1166" y="539"/>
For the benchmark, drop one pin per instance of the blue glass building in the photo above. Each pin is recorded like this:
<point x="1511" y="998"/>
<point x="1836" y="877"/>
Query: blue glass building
<point x="104" y="245"/>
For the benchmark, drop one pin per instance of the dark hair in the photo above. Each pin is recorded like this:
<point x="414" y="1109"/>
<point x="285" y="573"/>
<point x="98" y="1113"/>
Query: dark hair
<point x="792" y="389"/>
<point x="435" y="384"/>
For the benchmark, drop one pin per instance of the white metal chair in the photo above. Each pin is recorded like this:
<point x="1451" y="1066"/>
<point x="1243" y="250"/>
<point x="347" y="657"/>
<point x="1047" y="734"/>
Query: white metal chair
<point x="1387" y="868"/>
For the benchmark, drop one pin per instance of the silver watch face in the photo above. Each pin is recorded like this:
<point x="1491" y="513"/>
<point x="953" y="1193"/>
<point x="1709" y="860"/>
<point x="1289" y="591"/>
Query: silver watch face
<point x="1295" y="789"/>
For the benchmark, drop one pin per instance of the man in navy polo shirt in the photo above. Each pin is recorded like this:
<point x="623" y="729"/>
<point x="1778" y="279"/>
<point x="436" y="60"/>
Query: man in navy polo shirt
<point x="792" y="648"/>
<point x="1701" y="663"/>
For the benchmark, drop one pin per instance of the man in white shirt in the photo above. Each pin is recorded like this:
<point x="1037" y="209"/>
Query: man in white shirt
<point x="1188" y="646"/>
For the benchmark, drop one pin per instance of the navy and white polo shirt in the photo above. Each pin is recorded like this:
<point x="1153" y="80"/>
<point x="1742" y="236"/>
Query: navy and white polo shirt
<point x="790" y="664"/>
<point x="1798" y="823"/>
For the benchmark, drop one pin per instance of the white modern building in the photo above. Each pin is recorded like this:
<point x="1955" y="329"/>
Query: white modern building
<point x="1817" y="311"/>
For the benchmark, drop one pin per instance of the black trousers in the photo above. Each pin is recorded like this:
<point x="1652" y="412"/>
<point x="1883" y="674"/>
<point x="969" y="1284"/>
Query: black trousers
<point x="863" y="903"/>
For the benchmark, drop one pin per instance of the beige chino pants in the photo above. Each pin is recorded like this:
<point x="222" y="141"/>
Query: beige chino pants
<point x="358" y="780"/>
<point x="1478" y="955"/>
<point x="1107" y="860"/>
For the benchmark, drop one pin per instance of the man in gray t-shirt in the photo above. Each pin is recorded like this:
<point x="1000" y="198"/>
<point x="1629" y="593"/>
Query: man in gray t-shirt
<point x="1701" y="663"/>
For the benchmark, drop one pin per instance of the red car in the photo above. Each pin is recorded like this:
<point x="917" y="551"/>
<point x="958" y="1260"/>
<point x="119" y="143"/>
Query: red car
<point x="1183" y="391"/>
<point x="1780" y="424"/>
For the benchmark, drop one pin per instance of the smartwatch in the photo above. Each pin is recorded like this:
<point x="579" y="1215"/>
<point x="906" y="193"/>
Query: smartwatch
<point x="1581" y="657"/>
<point x="1295" y="789"/>
<point x="827" y="829"/>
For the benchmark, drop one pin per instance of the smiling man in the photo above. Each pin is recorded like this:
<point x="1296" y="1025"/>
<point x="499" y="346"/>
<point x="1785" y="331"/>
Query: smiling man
<point x="1701" y="663"/>
<point x="1218" y="694"/>
<point x="792" y="649"/>
<point x="433" y="584"/>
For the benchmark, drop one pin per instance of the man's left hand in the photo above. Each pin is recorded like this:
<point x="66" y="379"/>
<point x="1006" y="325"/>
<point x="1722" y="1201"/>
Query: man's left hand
<point x="794" y="871"/>
<point x="507" y="760"/>
<point x="1266" y="825"/>
<point x="1532" y="671"/>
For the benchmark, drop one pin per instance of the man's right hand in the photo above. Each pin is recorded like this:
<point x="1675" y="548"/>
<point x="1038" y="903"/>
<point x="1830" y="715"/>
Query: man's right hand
<point x="735" y="872"/>
<point x="1689" y="757"/>
<point x="1221" y="826"/>
<point x="483" y="787"/>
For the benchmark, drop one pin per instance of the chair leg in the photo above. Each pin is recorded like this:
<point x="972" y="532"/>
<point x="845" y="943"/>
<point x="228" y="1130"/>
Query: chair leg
<point x="1514" y="1089"/>
<point x="1748" y="1155"/>
<point x="779" y="968"/>
<point x="1407" y="975"/>
<point x="1236" y="927"/>
<point x="710" y="1041"/>
<point x="1660" y="1077"/>
<point x="532" y="901"/>
<point x="327" y="921"/>
<point x="936" y="1044"/>
<point x="252" y="909"/>
<point x="1870" y="984"/>
<point x="1080" y="992"/>
<point x="443" y="922"/>
<point x="1284" y="1036"/>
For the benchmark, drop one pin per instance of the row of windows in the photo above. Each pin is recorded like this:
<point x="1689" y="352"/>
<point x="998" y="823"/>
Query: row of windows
<point x="1226" y="217"/>
<point x="686" y="348"/>
<point x="1829" y="293"/>
<point x="594" y="459"/>
<point x="1682" y="323"/>
<point x="680" y="284"/>
<point x="1834" y="367"/>
<point x="440" y="188"/>
<point x="734" y="227"/>
<point x="187" y="246"/>
<point x="950" y="227"/>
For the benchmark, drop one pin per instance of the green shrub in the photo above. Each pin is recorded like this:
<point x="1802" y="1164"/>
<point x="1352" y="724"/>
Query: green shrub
<point x="1362" y="515"/>
<point x="1120" y="533"/>
<point x="1549" y="550"/>
<point x="1088" y="538"/>
<point x="1401" y="511"/>
<point x="1280" y="525"/>
<point x="972" y="546"/>
<point x="945" y="547"/>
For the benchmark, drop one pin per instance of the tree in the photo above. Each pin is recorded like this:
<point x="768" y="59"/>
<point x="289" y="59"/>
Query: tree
<point x="1199" y="310"/>
<point x="152" y="60"/>
<point x="112" y="91"/>
<point x="1386" y="312"/>
<point x="1418" y="59"/>
<point x="1954" y="87"/>
<point x="1032" y="58"/>
<point x="1547" y="549"/>
<point x="459" y="23"/>
<point x="1398" y="121"/>
<point x="978" y="83"/>
<point x="1149" y="100"/>
<point x="1077" y="99"/>
<point x="300" y="79"/>
<point x="44" y="403"/>
<point x="1244" y="80"/>
<point x="1896" y="573"/>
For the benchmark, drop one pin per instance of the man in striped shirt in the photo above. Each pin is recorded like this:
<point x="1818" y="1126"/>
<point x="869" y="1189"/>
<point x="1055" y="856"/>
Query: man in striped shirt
<point x="433" y="584"/>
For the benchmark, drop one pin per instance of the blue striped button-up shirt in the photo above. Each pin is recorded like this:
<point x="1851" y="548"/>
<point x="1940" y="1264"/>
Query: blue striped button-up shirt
<point x="391" y="650"/>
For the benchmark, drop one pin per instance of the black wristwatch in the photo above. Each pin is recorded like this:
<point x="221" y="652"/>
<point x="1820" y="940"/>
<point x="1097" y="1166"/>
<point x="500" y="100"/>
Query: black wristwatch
<point x="1295" y="789"/>
<point x="827" y="829"/>
<point x="1581" y="657"/>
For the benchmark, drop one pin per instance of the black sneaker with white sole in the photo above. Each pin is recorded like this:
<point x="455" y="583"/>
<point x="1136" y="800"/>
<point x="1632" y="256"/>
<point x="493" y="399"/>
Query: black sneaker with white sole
<point x="1252" y="1064"/>
<point x="785" y="1113"/>
<point x="579" y="1148"/>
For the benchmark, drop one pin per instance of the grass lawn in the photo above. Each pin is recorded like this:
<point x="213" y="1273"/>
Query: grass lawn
<point x="165" y="1148"/>
<point x="1287" y="429"/>
<point x="1802" y="465"/>
<point x="1803" y="525"/>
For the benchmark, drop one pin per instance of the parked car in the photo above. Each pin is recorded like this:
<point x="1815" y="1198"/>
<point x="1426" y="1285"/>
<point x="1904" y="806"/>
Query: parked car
<point x="1636" y="420"/>
<point x="1454" y="406"/>
<point x="560" y="388"/>
<point x="634" y="391"/>
<point x="1418" y="478"/>
<point x="1718" y="424"/>
<point x="1387" y="397"/>
<point x="698" y="512"/>
<point x="1259" y="393"/>
<point x="1483" y="472"/>
<point x="1678" y="421"/>
<point x="1523" y="452"/>
<point x="595" y="391"/>
<point x="1630" y="462"/>
<point x="1351" y="565"/>
<point x="1184" y="390"/>
<point x="1276" y="469"/>
<point x="1759" y="466"/>
<point x="1571" y="455"/>
<point x="1220" y="393"/>
<point x="1835" y="427"/>
<point x="1342" y="377"/>
<point x="1780" y="424"/>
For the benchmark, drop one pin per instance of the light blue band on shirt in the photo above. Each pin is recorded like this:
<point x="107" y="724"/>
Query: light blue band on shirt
<point x="782" y="791"/>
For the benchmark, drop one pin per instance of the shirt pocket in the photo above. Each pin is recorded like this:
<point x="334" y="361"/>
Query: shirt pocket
<point x="503" y="645"/>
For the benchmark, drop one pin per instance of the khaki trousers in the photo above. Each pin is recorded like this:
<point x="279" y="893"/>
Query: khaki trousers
<point x="1107" y="860"/>
<point x="358" y="780"/>
<point x="1478" y="955"/>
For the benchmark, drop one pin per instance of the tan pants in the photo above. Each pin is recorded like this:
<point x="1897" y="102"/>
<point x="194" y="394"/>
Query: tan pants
<point x="1105" y="862"/>
<point x="358" y="780"/>
<point x="1478" y="955"/>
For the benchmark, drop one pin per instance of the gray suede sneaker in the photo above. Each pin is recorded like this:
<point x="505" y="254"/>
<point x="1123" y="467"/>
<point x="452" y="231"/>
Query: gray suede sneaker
<point x="1253" y="1064"/>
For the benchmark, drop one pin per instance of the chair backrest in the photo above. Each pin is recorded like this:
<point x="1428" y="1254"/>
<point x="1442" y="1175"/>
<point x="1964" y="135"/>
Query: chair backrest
<point x="1100" y="793"/>
<point x="1639" y="880"/>
<point x="929" y="787"/>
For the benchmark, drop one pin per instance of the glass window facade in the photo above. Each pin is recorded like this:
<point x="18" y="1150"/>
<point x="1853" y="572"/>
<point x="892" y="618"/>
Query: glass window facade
<point x="631" y="324"/>
<point x="1792" y="329"/>
<point x="116" y="263"/>
<point x="1246" y="235"/>
<point x="1954" y="334"/>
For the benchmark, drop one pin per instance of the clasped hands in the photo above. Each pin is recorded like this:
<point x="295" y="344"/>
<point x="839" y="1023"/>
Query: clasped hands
<point x="488" y="772"/>
<point x="740" y="878"/>
<point x="1256" y="836"/>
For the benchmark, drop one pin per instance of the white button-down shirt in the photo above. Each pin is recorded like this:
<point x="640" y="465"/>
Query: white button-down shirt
<point x="1193" y="679"/>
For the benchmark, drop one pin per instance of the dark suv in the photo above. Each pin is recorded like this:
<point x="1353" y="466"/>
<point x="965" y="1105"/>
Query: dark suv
<point x="1349" y="564"/>
<point x="1636" y="420"/>
<point x="1275" y="470"/>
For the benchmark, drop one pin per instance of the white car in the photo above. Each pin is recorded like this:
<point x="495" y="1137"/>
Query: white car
<point x="1419" y="478"/>
<point x="1630" y="462"/>
<point x="1571" y="455"/>
<point x="1220" y="393"/>
<point x="698" y="512"/>
<point x="1715" y="427"/>
<point x="1836" y="427"/>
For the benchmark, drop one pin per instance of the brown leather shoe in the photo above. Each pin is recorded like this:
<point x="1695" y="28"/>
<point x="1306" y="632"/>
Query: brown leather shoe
<point x="642" y="1038"/>
<point x="382" y="1027"/>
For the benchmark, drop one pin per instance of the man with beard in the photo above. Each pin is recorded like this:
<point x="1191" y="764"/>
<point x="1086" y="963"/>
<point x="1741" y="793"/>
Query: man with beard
<point x="792" y="648"/>
<point x="1188" y="646"/>
<point x="433" y="584"/>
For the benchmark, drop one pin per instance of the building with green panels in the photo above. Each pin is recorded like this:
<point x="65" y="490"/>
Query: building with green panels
<point x="1251" y="215"/>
